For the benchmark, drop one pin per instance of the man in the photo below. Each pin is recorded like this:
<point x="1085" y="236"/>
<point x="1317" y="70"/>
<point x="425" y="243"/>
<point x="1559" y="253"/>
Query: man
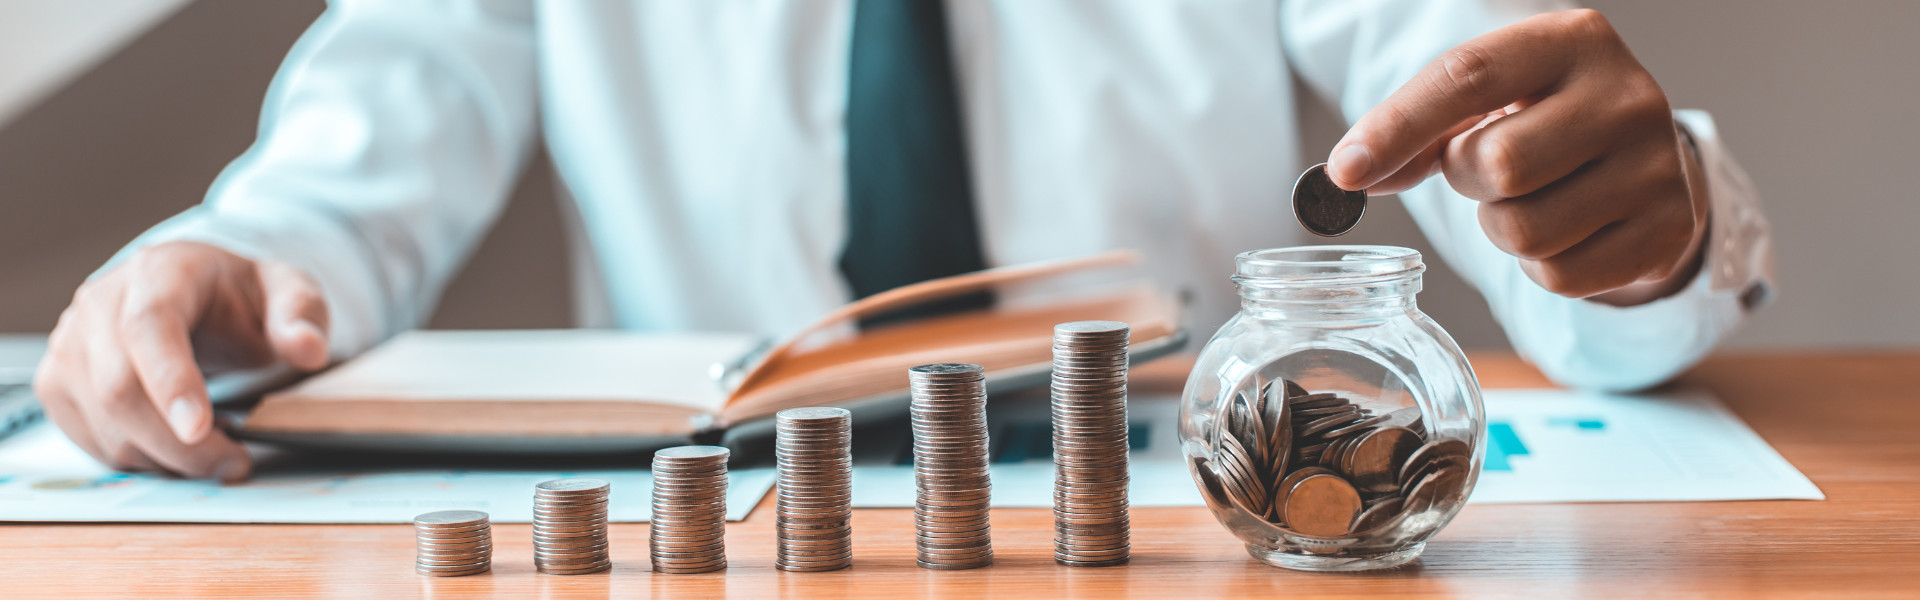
<point x="748" y="165"/>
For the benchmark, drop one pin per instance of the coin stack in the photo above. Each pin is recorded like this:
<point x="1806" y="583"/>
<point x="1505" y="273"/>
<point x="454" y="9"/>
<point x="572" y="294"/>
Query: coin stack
<point x="1321" y="466"/>
<point x="451" y="543"/>
<point x="689" y="510"/>
<point x="570" y="526"/>
<point x="814" y="504"/>
<point x="1090" y="522"/>
<point x="949" y="414"/>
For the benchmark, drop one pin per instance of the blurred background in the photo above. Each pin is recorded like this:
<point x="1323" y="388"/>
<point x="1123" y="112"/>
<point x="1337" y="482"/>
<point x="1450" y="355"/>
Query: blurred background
<point x="115" y="114"/>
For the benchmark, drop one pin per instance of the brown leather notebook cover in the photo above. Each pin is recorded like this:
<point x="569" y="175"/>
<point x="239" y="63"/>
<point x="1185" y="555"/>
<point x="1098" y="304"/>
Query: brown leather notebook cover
<point x="603" y="383"/>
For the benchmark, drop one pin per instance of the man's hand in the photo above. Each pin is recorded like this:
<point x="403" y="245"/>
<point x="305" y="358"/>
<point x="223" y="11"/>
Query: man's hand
<point x="122" y="374"/>
<point x="1567" y="142"/>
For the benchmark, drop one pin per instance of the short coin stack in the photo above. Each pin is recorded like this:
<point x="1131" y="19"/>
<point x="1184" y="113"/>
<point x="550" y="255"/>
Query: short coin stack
<point x="814" y="504"/>
<point x="689" y="530"/>
<point x="949" y="414"/>
<point x="570" y="526"/>
<point x="1090" y="522"/>
<point x="451" y="543"/>
<point x="1321" y="466"/>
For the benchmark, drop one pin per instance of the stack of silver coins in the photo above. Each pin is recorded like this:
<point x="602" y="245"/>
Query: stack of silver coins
<point x="1090" y="523"/>
<point x="814" y="505"/>
<point x="451" y="543"/>
<point x="570" y="526"/>
<point x="689" y="509"/>
<point x="949" y="413"/>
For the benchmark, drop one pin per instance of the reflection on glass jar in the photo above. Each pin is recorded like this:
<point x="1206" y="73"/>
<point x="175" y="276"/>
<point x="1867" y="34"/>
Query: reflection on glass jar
<point x="1331" y="425"/>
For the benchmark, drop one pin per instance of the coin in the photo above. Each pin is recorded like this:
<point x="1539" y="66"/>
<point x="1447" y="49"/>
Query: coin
<point x="1322" y="207"/>
<point x="1377" y="457"/>
<point x="1272" y="437"/>
<point x="570" y="526"/>
<point x="948" y="417"/>
<point x="1322" y="505"/>
<point x="1089" y="389"/>
<point x="814" y="489"/>
<point x="452" y="543"/>
<point x="688" y="529"/>
<point x="1378" y="515"/>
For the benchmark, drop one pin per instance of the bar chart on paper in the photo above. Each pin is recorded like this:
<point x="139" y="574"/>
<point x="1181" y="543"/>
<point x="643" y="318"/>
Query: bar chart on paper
<point x="1563" y="446"/>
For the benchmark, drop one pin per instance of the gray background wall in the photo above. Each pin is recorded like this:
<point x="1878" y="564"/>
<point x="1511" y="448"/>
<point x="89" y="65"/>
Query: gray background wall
<point x="1817" y="100"/>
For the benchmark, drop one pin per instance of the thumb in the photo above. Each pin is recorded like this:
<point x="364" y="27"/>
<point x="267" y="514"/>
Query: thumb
<point x="297" y="321"/>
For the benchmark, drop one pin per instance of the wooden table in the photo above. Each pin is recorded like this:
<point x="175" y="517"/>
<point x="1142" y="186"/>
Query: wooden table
<point x="1851" y="422"/>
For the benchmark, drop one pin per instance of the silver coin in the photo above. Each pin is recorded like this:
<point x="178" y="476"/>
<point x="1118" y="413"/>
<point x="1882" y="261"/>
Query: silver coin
<point x="572" y="487"/>
<point x="450" y="519"/>
<point x="588" y="570"/>
<point x="456" y="573"/>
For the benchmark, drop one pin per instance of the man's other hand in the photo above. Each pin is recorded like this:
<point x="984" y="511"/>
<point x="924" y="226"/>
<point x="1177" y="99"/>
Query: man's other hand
<point x="122" y="375"/>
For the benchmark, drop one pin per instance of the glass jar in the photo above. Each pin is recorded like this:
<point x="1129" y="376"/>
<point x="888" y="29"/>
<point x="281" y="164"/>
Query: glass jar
<point x="1330" y="424"/>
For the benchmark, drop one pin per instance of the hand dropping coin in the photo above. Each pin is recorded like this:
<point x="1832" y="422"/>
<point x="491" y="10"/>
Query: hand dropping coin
<point x="1322" y="207"/>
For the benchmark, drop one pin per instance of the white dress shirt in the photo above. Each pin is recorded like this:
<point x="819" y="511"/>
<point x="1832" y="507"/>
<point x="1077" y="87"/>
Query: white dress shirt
<point x="701" y="145"/>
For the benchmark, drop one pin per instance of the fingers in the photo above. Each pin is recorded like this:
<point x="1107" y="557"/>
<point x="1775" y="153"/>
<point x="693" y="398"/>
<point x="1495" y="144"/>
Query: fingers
<point x="1639" y="248"/>
<point x="1552" y="220"/>
<point x="1423" y="165"/>
<point x="1524" y="60"/>
<point x="122" y="376"/>
<point x="1527" y="150"/>
<point x="134" y="361"/>
<point x="63" y="364"/>
<point x="155" y="321"/>
<point x="1611" y="258"/>
<point x="297" y="322"/>
<point x="109" y="391"/>
<point x="215" y="455"/>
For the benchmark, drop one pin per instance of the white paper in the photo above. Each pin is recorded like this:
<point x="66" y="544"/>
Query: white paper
<point x="1578" y="447"/>
<point x="1591" y="447"/>
<point x="43" y="477"/>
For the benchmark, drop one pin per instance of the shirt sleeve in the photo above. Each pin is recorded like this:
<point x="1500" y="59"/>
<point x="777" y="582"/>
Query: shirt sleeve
<point x="388" y="143"/>
<point x="1356" y="54"/>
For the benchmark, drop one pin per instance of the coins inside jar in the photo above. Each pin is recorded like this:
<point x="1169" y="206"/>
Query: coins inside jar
<point x="1321" y="466"/>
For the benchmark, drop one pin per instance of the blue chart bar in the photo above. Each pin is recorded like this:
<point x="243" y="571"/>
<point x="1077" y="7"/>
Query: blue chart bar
<point x="1589" y="423"/>
<point x="1502" y="442"/>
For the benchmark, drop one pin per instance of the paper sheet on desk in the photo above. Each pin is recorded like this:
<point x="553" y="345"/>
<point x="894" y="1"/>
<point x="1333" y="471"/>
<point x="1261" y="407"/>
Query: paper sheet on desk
<point x="43" y="477"/>
<point x="1542" y="446"/>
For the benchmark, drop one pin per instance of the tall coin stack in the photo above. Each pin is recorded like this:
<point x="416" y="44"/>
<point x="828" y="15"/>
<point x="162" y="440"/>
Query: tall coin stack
<point x="570" y="526"/>
<point x="949" y="413"/>
<point x="451" y="543"/>
<point x="1090" y="523"/>
<point x="689" y="509"/>
<point x="814" y="507"/>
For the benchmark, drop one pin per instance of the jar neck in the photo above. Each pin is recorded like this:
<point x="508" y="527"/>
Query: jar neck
<point x="1370" y="301"/>
<point x="1328" y="283"/>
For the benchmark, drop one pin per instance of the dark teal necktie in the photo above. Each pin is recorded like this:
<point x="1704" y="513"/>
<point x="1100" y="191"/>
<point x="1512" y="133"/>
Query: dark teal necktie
<point x="909" y="197"/>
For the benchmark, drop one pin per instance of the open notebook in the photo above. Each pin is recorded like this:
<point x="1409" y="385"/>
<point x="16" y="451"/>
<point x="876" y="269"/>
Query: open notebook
<point x="604" y="390"/>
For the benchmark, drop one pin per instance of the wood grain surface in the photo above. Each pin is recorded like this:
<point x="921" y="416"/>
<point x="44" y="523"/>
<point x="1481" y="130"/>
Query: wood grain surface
<point x="1851" y="422"/>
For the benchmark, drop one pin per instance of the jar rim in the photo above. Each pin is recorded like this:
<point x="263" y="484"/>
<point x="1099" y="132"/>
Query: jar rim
<point x="1326" y="265"/>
